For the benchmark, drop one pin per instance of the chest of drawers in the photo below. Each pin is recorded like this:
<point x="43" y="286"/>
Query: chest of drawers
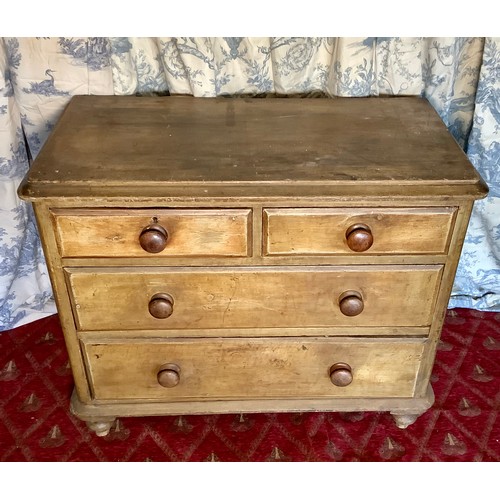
<point x="251" y="255"/>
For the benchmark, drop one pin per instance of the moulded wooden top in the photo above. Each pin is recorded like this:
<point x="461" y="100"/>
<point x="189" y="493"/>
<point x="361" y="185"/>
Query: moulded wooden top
<point x="120" y="146"/>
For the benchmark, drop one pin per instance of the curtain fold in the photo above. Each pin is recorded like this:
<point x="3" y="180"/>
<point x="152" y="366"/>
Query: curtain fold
<point x="477" y="284"/>
<point x="24" y="284"/>
<point x="459" y="76"/>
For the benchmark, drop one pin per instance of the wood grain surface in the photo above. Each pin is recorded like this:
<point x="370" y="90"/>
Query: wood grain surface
<point x="115" y="233"/>
<point x="322" y="231"/>
<point x="253" y="368"/>
<point x="110" y="144"/>
<point x="295" y="296"/>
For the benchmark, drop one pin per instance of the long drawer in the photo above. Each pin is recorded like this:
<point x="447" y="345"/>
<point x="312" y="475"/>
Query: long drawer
<point x="152" y="232"/>
<point x="174" y="370"/>
<point x="256" y="297"/>
<point x="329" y="231"/>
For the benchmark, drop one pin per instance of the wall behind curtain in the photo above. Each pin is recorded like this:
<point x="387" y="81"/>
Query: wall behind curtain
<point x="459" y="76"/>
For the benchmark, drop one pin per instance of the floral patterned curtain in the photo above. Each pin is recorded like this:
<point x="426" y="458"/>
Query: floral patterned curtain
<point x="459" y="76"/>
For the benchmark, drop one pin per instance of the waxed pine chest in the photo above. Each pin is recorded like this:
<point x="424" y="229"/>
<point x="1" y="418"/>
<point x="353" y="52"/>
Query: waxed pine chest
<point x="233" y="255"/>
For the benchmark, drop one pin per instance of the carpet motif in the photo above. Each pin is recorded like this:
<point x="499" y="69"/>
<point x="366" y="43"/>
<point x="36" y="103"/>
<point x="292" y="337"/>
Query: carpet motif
<point x="35" y="423"/>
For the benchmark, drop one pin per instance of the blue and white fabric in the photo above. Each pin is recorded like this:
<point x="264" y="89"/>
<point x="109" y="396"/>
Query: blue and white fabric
<point x="459" y="76"/>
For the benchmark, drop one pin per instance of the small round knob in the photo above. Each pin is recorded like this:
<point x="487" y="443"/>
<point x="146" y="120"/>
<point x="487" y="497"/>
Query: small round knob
<point x="341" y="374"/>
<point x="153" y="238"/>
<point x="169" y="375"/>
<point x="161" y="305"/>
<point x="351" y="303"/>
<point x="359" y="237"/>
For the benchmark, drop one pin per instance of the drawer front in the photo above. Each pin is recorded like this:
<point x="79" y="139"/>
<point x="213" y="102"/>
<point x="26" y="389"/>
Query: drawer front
<point x="325" y="231"/>
<point x="117" y="233"/>
<point x="251" y="368"/>
<point x="121" y="298"/>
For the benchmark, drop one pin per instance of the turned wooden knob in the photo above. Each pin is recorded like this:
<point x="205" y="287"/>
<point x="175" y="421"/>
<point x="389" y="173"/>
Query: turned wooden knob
<point x="341" y="374"/>
<point x="153" y="238"/>
<point x="359" y="237"/>
<point x="161" y="305"/>
<point x="351" y="303"/>
<point x="169" y="375"/>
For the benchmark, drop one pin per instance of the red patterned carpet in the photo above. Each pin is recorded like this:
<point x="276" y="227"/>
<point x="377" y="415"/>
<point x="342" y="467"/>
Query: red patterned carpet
<point x="463" y="425"/>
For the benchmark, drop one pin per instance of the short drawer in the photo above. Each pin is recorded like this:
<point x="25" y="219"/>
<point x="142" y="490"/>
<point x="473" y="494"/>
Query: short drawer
<point x="176" y="370"/>
<point x="325" y="231"/>
<point x="153" y="232"/>
<point x="252" y="297"/>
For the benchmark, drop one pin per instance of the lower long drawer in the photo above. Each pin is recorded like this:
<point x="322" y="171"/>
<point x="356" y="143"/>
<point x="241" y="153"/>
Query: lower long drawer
<point x="224" y="369"/>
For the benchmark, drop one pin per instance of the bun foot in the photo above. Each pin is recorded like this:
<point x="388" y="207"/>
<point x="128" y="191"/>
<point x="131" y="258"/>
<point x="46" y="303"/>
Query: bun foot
<point x="403" y="421"/>
<point x="101" y="427"/>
